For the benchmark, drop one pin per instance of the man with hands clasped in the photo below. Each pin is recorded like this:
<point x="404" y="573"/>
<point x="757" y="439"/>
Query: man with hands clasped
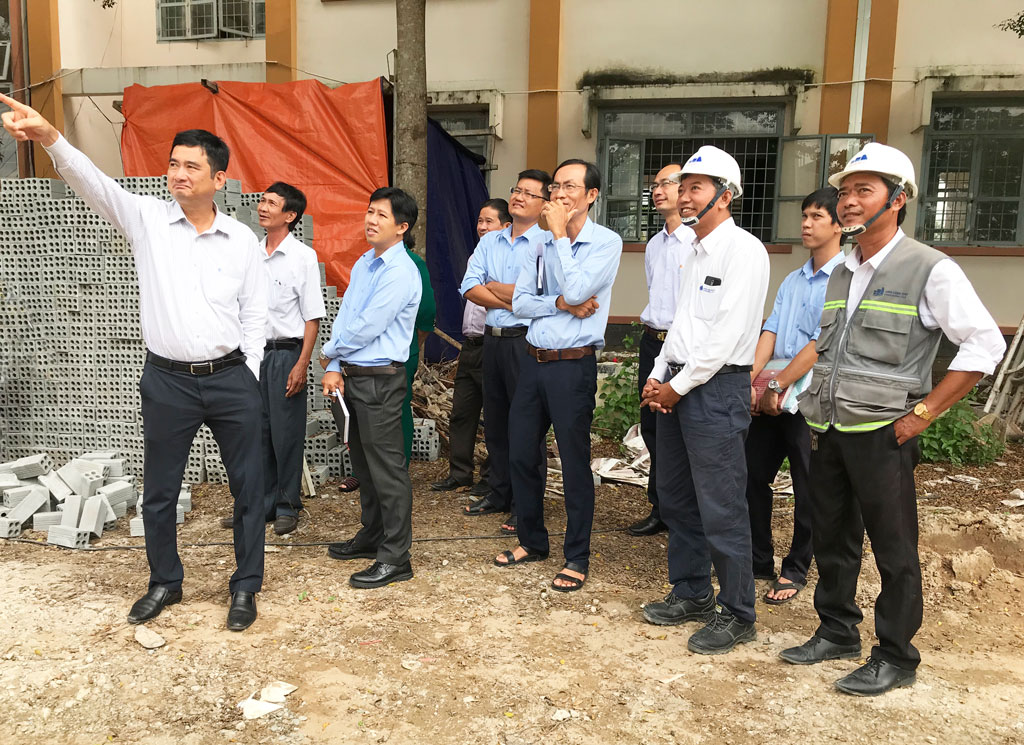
<point x="700" y="385"/>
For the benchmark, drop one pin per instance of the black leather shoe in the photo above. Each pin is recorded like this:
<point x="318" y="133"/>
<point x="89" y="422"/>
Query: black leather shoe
<point x="227" y="523"/>
<point x="150" y="604"/>
<point x="349" y="550"/>
<point x="875" y="677"/>
<point x="650" y="525"/>
<point x="285" y="524"/>
<point x="674" y="610"/>
<point x="816" y="650"/>
<point x="242" y="611"/>
<point x="448" y="483"/>
<point x="722" y="633"/>
<point x="379" y="574"/>
<point x="480" y="489"/>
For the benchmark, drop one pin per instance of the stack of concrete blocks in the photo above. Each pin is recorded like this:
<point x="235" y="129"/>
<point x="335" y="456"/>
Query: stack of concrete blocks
<point x="71" y="349"/>
<point x="137" y="528"/>
<point x="80" y="499"/>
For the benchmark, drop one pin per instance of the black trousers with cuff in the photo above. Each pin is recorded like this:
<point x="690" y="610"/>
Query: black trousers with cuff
<point x="865" y="481"/>
<point x="174" y="406"/>
<point x="559" y="394"/>
<point x="284" y="434"/>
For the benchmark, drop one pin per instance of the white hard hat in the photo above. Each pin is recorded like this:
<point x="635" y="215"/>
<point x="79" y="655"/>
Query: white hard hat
<point x="711" y="161"/>
<point x="884" y="161"/>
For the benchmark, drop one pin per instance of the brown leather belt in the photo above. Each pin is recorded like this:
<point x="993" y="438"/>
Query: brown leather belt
<point x="656" y="333"/>
<point x="555" y="355"/>
<point x="351" y="371"/>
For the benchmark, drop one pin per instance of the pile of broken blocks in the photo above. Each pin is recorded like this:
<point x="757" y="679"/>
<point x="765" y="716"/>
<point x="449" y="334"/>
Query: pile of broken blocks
<point x="75" y="502"/>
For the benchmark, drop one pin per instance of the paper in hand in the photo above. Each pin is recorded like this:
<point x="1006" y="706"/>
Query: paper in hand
<point x="340" y="413"/>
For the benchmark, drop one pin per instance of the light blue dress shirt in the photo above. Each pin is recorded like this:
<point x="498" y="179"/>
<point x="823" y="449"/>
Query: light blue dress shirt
<point x="577" y="271"/>
<point x="375" y="323"/>
<point x="498" y="258"/>
<point x="797" y="312"/>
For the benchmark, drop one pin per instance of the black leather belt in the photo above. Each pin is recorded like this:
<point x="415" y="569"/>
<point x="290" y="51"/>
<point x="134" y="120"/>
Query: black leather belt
<point x="283" y="343"/>
<point x="505" y="332"/>
<point x="674" y="370"/>
<point x="350" y="371"/>
<point x="472" y="341"/>
<point x="207" y="367"/>
<point x="656" y="333"/>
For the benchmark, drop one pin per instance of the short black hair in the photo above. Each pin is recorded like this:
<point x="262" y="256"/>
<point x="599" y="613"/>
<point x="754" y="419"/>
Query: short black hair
<point x="403" y="209"/>
<point x="891" y="186"/>
<point x="294" y="200"/>
<point x="500" y="206"/>
<point x="216" y="150"/>
<point x="826" y="198"/>
<point x="535" y="174"/>
<point x="592" y="177"/>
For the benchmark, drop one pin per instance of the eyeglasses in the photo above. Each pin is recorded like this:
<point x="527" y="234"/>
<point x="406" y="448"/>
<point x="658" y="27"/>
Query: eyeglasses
<point x="663" y="184"/>
<point x="569" y="189"/>
<point x="517" y="192"/>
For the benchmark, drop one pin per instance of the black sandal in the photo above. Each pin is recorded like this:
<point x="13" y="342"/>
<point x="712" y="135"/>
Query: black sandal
<point x="577" y="583"/>
<point x="511" y="560"/>
<point x="509" y="526"/>
<point x="348" y="484"/>
<point x="482" y="506"/>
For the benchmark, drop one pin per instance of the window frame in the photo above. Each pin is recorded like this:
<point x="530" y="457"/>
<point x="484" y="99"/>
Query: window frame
<point x="219" y="32"/>
<point x="978" y="138"/>
<point x="605" y="199"/>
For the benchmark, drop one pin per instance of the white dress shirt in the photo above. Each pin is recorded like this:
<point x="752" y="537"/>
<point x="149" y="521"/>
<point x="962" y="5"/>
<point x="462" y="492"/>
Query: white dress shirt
<point x="663" y="263"/>
<point x="949" y="302"/>
<point x="201" y="296"/>
<point x="293" y="288"/>
<point x="721" y="302"/>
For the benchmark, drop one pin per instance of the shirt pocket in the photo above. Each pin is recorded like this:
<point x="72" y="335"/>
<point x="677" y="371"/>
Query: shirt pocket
<point x="829" y="327"/>
<point x="709" y="300"/>
<point x="881" y="336"/>
<point x="222" y="283"/>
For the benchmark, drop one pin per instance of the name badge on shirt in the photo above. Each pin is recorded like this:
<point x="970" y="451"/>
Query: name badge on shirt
<point x="540" y="274"/>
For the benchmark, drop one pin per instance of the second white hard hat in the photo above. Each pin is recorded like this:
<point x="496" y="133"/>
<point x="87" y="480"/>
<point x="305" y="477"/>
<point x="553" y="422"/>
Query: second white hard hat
<point x="883" y="160"/>
<point x="712" y="161"/>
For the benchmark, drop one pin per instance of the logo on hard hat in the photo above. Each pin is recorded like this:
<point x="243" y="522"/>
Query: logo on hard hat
<point x="694" y="159"/>
<point x="862" y="156"/>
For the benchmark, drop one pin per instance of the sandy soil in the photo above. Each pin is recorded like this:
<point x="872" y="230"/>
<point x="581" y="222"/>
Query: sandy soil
<point x="470" y="653"/>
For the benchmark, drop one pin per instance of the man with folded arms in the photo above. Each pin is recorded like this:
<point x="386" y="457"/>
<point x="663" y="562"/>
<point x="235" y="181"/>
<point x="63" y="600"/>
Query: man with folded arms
<point x="490" y="281"/>
<point x="203" y="307"/>
<point x="564" y="290"/>
<point x="369" y="345"/>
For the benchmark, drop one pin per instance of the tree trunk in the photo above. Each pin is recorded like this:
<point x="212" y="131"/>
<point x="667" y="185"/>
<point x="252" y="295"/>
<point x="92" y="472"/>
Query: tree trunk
<point x="411" y="109"/>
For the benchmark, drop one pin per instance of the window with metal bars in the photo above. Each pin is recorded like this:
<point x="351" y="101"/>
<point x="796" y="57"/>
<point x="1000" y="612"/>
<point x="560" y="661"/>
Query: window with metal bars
<point x="971" y="176"/>
<point x="635" y="145"/>
<point x="186" y="20"/>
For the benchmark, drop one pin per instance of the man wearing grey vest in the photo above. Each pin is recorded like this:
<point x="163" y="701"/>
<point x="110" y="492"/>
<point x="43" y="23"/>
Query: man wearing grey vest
<point x="885" y="311"/>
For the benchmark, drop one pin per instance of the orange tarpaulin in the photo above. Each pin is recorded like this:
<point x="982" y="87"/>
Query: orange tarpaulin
<point x="328" y="143"/>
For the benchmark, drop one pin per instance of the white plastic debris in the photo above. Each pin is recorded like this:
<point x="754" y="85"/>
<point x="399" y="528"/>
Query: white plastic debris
<point x="253" y="708"/>
<point x="276" y="691"/>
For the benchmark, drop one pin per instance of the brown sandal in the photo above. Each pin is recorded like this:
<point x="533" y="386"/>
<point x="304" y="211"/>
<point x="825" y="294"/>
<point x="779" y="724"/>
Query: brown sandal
<point x="348" y="484"/>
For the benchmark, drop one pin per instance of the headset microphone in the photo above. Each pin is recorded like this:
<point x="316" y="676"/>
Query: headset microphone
<point x="852" y="230"/>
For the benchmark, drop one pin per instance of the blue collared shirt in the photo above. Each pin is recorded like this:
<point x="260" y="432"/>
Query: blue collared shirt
<point x="797" y="312"/>
<point x="577" y="271"/>
<point x="498" y="258"/>
<point x="378" y="311"/>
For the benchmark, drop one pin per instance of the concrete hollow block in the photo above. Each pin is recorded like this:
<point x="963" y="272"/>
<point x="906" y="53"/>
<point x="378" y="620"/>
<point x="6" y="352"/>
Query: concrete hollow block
<point x="93" y="516"/>
<point x="62" y="535"/>
<point x="72" y="511"/>
<point x="9" y="528"/>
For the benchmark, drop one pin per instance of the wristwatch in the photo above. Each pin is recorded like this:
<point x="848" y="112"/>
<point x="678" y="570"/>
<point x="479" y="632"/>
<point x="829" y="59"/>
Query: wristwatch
<point x="322" y="355"/>
<point x="773" y="385"/>
<point x="922" y="411"/>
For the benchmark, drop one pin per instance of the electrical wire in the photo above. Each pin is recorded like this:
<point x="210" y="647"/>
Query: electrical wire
<point x="302" y="544"/>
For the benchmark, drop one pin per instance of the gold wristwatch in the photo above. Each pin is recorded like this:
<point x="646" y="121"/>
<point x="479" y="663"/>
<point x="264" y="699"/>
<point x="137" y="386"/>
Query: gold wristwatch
<point x="922" y="411"/>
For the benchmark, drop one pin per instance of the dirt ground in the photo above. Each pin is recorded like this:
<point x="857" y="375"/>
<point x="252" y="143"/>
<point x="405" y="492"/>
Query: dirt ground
<point x="471" y="653"/>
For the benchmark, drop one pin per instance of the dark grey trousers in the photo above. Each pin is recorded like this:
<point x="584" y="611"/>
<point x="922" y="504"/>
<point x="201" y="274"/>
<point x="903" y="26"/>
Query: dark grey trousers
<point x="467" y="400"/>
<point x="174" y="406"/>
<point x="284" y="434"/>
<point x="378" y="460"/>
<point x="702" y="479"/>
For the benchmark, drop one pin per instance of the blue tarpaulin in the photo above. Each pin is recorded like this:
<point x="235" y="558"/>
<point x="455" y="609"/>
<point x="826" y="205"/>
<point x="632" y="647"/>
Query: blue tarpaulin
<point x="455" y="192"/>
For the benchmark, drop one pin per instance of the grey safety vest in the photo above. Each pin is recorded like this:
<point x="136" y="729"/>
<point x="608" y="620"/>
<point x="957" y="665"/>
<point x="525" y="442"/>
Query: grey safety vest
<point x="875" y="365"/>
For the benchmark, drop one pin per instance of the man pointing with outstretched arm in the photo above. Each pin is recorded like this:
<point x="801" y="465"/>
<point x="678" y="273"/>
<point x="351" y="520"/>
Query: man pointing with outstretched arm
<point x="203" y="307"/>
